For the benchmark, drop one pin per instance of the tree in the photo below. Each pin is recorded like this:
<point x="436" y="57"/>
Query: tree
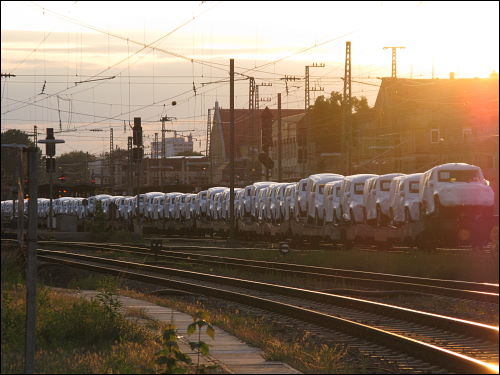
<point x="74" y="166"/>
<point x="360" y="105"/>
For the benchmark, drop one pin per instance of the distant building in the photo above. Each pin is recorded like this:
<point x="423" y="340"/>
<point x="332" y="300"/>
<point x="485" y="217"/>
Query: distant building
<point x="290" y="148"/>
<point x="419" y="123"/>
<point x="247" y="135"/>
<point x="173" y="145"/>
<point x="163" y="174"/>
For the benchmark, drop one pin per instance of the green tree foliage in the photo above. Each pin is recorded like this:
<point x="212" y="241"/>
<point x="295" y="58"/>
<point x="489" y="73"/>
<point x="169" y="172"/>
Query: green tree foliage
<point x="324" y="121"/>
<point x="74" y="166"/>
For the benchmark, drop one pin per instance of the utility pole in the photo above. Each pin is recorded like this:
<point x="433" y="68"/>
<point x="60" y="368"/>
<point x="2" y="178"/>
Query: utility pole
<point x="50" y="152"/>
<point x="31" y="265"/>
<point x="251" y="119"/>
<point x="307" y="88"/>
<point x="163" y="119"/>
<point x="257" y="99"/>
<point x="393" y="73"/>
<point x="20" y="200"/>
<point x="279" y="139"/>
<point x="231" y="149"/>
<point x="289" y="78"/>
<point x="129" y="164"/>
<point x="259" y="131"/>
<point x="347" y="110"/>
<point x="137" y="152"/>
<point x="35" y="135"/>
<point x="156" y="147"/>
<point x="111" y="166"/>
<point x="208" y="145"/>
<point x="209" y="126"/>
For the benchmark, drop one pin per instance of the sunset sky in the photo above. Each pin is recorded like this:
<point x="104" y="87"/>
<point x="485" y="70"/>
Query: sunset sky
<point x="164" y="51"/>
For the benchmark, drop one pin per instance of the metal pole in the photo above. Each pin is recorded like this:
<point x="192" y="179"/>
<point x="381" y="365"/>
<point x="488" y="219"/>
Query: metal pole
<point x="279" y="139"/>
<point x="31" y="265"/>
<point x="20" y="201"/>
<point x="231" y="148"/>
<point x="51" y="213"/>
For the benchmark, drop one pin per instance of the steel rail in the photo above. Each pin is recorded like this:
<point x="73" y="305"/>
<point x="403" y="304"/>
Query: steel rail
<point x="430" y="353"/>
<point x="462" y="326"/>
<point x="304" y="271"/>
<point x="488" y="288"/>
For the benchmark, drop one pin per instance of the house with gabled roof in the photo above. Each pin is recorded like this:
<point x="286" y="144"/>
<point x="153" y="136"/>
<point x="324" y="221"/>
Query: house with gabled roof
<point x="247" y="144"/>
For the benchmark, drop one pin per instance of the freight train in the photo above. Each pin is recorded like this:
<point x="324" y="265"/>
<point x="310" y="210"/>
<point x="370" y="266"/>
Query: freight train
<point x="448" y="205"/>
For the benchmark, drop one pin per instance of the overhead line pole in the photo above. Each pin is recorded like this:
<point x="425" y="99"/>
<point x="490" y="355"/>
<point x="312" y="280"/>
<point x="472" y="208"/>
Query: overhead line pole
<point x="280" y="177"/>
<point x="231" y="149"/>
<point x="347" y="110"/>
<point x="393" y="70"/>
<point x="31" y="263"/>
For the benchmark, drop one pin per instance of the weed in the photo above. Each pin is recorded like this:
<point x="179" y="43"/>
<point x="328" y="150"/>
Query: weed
<point x="201" y="347"/>
<point x="170" y="356"/>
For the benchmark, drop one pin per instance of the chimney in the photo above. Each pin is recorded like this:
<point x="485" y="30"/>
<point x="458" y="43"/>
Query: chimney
<point x="452" y="75"/>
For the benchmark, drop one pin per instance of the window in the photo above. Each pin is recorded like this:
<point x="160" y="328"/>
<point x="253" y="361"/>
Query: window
<point x="468" y="175"/>
<point x="466" y="134"/>
<point x="385" y="185"/>
<point x="358" y="188"/>
<point x="414" y="187"/>
<point x="435" y="136"/>
<point x="321" y="188"/>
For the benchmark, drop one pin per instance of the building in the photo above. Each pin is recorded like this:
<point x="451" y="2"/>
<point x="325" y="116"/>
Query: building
<point x="247" y="135"/>
<point x="180" y="173"/>
<point x="173" y="146"/>
<point x="419" y="123"/>
<point x="290" y="147"/>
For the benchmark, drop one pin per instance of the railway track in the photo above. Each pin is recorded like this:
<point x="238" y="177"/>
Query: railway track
<point x="484" y="292"/>
<point x="316" y="245"/>
<point x="427" y="340"/>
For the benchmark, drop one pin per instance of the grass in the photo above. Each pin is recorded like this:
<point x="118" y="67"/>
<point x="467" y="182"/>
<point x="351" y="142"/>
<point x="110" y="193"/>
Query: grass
<point x="73" y="335"/>
<point x="277" y="342"/>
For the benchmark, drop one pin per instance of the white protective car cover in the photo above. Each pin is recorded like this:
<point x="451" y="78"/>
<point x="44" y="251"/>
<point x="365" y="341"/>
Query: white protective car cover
<point x="404" y="198"/>
<point x="454" y="184"/>
<point x="352" y="197"/>
<point x="332" y="202"/>
<point x="378" y="195"/>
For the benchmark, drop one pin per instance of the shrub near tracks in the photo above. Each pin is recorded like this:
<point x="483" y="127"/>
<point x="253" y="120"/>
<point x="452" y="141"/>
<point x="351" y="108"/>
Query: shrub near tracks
<point x="73" y="334"/>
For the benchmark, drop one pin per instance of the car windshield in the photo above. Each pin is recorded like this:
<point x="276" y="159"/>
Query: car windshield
<point x="358" y="188"/>
<point x="385" y="185"/>
<point x="467" y="175"/>
<point x="204" y="195"/>
<point x="304" y="187"/>
<point x="414" y="187"/>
